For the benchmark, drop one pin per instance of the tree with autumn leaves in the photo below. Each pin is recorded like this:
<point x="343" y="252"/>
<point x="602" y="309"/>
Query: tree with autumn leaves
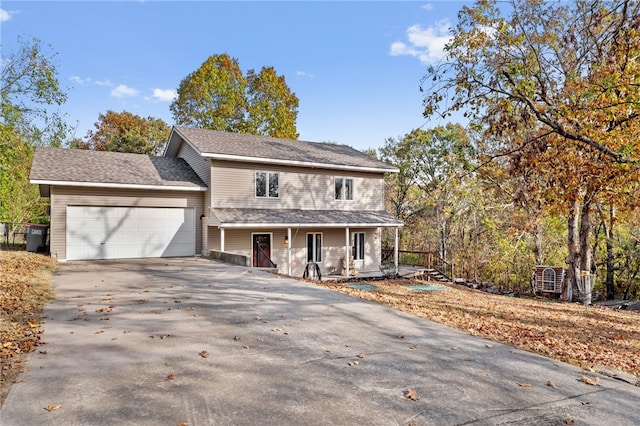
<point x="30" y="94"/>
<point x="127" y="132"/>
<point x="557" y="85"/>
<point x="218" y="96"/>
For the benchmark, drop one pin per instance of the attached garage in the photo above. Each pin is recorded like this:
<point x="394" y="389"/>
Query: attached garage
<point x="111" y="205"/>
<point x="129" y="232"/>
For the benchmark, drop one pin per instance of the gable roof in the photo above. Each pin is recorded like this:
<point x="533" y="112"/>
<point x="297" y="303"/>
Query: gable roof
<point x="80" y="167"/>
<point x="268" y="150"/>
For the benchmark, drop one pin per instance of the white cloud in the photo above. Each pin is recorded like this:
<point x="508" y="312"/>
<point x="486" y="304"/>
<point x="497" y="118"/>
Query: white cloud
<point x="103" y="83"/>
<point x="87" y="81"/>
<point x="164" y="95"/>
<point x="427" y="6"/>
<point x="426" y="44"/>
<point x="79" y="80"/>
<point x="123" y="91"/>
<point x="4" y="15"/>
<point x="304" y="74"/>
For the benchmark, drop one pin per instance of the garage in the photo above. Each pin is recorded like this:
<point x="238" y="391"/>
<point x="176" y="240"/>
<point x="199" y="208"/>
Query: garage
<point x="106" y="232"/>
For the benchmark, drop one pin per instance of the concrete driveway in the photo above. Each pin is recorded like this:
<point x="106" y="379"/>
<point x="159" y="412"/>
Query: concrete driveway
<point x="192" y="341"/>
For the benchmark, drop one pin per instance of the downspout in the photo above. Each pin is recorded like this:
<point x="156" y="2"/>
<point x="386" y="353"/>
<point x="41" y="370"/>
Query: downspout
<point x="222" y="240"/>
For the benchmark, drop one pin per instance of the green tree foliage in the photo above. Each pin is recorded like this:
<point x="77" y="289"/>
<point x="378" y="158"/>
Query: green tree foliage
<point x="29" y="89"/>
<point x="218" y="96"/>
<point x="127" y="132"/>
<point x="556" y="83"/>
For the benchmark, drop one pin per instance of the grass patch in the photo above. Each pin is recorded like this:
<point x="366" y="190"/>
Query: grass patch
<point x="25" y="287"/>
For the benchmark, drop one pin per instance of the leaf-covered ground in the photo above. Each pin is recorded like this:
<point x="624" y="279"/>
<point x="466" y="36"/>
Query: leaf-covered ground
<point x="25" y="286"/>
<point x="597" y="337"/>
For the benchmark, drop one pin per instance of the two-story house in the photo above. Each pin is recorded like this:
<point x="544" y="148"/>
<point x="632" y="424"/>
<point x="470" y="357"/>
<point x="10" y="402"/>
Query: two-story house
<point x="254" y="200"/>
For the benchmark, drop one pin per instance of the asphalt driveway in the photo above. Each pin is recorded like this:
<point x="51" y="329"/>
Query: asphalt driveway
<point x="193" y="341"/>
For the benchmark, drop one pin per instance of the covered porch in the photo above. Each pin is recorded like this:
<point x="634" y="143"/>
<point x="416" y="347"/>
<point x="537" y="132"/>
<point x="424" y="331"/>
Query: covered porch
<point x="340" y="243"/>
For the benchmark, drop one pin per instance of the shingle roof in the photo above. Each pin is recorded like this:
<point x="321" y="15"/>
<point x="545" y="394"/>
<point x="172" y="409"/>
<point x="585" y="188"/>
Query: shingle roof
<point x="291" y="217"/>
<point x="102" y="167"/>
<point x="262" y="148"/>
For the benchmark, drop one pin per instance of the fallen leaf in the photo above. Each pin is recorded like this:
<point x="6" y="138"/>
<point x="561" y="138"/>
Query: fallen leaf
<point x="237" y="338"/>
<point x="568" y="422"/>
<point x="591" y="381"/>
<point x="33" y="324"/>
<point x="488" y="346"/>
<point x="54" y="407"/>
<point x="411" y="394"/>
<point x="352" y="363"/>
<point x="400" y="336"/>
<point x="524" y="385"/>
<point x="204" y="354"/>
<point x="171" y="377"/>
<point x="551" y="384"/>
<point x="361" y="355"/>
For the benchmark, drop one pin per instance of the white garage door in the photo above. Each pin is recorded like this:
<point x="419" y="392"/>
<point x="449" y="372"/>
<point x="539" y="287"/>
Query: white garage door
<point x="129" y="232"/>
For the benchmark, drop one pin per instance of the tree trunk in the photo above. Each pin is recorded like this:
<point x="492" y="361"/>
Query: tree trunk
<point x="573" y="271"/>
<point x="609" y="283"/>
<point x="585" y="234"/>
<point x="537" y="238"/>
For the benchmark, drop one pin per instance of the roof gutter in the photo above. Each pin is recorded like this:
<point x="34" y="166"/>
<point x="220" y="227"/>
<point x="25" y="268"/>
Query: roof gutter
<point x="306" y="225"/>
<point x="275" y="161"/>
<point x="119" y="185"/>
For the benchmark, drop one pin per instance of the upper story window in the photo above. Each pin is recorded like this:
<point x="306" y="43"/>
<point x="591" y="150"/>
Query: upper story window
<point x="267" y="185"/>
<point x="343" y="188"/>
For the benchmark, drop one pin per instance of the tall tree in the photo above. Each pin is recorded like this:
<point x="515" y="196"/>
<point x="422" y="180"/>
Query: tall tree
<point x="272" y="107"/>
<point x="218" y="96"/>
<point x="433" y="169"/>
<point x="29" y="94"/>
<point x="557" y="81"/>
<point x="127" y="132"/>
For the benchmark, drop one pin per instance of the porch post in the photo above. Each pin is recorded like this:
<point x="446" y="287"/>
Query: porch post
<point x="289" y="251"/>
<point x="346" y="251"/>
<point x="222" y="240"/>
<point x="395" y="251"/>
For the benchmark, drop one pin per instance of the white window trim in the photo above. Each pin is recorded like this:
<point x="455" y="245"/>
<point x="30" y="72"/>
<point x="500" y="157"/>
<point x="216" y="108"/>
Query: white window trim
<point x="353" y="188"/>
<point x="255" y="185"/>
<point x="306" y="246"/>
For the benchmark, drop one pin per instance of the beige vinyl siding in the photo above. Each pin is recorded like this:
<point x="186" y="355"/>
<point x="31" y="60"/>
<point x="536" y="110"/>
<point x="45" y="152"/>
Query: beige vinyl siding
<point x="200" y="165"/>
<point x="62" y="196"/>
<point x="233" y="185"/>
<point x="239" y="241"/>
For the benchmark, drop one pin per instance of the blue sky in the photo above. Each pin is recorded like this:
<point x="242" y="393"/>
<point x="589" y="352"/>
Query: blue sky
<point x="355" y="66"/>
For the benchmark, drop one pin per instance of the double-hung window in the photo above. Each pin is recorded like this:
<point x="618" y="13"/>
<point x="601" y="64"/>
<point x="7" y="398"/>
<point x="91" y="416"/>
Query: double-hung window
<point x="343" y="188"/>
<point x="358" y="246"/>
<point x="267" y="185"/>
<point x="314" y="247"/>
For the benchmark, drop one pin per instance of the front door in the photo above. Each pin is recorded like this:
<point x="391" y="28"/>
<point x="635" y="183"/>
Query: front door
<point x="262" y="251"/>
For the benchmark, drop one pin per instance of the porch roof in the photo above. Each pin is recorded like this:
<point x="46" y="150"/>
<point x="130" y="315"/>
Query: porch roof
<point x="294" y="218"/>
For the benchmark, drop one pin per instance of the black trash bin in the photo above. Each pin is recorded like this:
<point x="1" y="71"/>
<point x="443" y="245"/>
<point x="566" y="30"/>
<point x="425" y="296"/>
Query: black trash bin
<point x="37" y="237"/>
